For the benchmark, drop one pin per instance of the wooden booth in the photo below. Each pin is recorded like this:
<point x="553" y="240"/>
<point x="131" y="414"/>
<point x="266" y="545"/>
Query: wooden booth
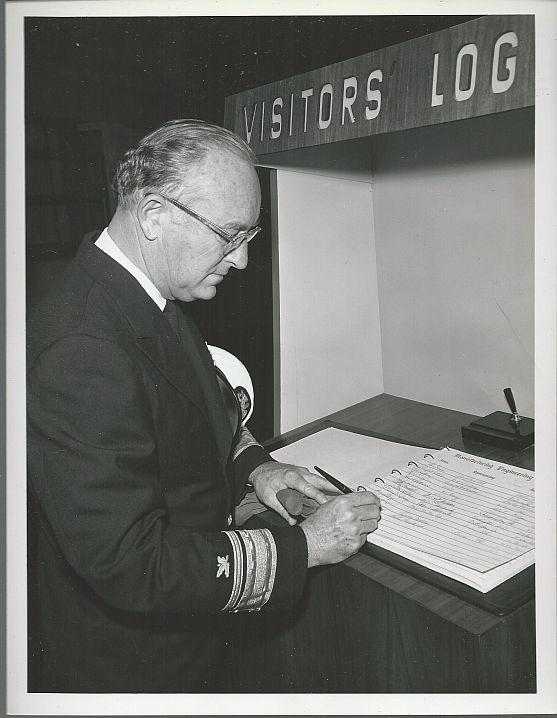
<point x="401" y="187"/>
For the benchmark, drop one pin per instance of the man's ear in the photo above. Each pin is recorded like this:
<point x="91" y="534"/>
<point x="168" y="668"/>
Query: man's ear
<point x="149" y="216"/>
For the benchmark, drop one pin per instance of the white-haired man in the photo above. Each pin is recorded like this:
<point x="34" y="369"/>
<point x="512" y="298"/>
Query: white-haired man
<point x="133" y="463"/>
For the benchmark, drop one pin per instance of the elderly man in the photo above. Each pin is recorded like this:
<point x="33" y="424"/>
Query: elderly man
<point x="134" y="464"/>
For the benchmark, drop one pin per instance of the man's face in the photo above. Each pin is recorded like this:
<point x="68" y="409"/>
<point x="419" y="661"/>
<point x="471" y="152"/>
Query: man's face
<point x="189" y="261"/>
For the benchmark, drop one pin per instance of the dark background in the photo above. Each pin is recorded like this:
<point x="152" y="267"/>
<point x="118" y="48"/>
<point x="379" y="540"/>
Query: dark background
<point x="93" y="86"/>
<point x="141" y="71"/>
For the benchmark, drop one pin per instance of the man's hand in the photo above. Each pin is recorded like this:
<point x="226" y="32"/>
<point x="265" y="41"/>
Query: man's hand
<point x="272" y="476"/>
<point x="340" y="527"/>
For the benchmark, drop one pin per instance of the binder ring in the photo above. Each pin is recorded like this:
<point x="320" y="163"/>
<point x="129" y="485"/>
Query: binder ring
<point x="378" y="478"/>
<point x="430" y="456"/>
<point x="413" y="462"/>
<point x="396" y="471"/>
<point x="361" y="488"/>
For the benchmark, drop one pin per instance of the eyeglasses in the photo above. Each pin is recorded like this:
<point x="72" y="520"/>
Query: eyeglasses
<point x="233" y="240"/>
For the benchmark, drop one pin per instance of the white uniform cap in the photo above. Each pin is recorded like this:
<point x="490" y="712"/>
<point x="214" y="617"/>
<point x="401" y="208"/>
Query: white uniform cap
<point x="238" y="378"/>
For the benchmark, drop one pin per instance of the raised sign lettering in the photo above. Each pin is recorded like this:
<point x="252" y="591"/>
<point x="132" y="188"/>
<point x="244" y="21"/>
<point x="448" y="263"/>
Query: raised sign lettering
<point x="473" y="69"/>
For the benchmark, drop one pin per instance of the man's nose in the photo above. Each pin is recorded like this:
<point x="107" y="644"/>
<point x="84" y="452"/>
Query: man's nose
<point x="239" y="257"/>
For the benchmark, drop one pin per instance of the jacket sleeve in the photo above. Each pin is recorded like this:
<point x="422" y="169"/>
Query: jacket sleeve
<point x="93" y="467"/>
<point x="248" y="455"/>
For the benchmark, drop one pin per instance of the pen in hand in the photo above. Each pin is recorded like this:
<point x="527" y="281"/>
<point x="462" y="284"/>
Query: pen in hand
<point x="335" y="482"/>
<point x="292" y="499"/>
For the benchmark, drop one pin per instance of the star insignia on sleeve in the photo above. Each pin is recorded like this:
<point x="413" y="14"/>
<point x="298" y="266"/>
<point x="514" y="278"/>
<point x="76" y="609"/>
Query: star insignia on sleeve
<point x="223" y="566"/>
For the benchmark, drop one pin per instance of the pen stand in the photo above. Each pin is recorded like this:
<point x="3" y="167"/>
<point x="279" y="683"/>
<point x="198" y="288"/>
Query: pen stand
<point x="496" y="430"/>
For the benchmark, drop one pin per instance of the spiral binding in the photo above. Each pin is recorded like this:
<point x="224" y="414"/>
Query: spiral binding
<point x="396" y="471"/>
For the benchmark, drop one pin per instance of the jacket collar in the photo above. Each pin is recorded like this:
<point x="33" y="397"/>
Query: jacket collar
<point x="139" y="310"/>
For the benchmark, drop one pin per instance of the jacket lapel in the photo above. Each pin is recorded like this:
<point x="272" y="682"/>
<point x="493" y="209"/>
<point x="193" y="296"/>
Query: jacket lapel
<point x="180" y="361"/>
<point x="175" y="365"/>
<point x="203" y="365"/>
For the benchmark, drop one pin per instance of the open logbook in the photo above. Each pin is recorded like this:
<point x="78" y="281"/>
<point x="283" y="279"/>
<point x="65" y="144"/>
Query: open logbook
<point x="466" y="517"/>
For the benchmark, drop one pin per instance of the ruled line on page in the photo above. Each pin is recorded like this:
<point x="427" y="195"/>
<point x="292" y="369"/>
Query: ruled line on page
<point x="441" y="510"/>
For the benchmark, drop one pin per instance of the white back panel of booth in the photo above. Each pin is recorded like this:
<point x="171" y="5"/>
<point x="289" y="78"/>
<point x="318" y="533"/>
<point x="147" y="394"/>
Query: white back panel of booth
<point x="454" y="224"/>
<point x="330" y="340"/>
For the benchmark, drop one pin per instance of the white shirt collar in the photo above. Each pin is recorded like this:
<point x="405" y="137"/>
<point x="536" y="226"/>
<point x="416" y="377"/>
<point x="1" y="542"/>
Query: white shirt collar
<point x="107" y="245"/>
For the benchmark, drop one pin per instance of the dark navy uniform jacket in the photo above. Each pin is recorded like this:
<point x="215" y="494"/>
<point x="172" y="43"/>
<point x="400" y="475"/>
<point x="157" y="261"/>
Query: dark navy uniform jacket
<point x="135" y="473"/>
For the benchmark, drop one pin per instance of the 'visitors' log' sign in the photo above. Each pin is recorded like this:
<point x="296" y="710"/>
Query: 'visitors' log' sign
<point x="472" y="69"/>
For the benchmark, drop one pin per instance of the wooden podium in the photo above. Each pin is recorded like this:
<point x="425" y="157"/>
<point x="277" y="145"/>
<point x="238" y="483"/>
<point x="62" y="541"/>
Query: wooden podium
<point x="368" y="626"/>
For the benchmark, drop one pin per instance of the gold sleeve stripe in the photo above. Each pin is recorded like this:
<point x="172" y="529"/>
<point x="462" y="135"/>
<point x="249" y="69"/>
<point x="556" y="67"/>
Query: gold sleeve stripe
<point x="255" y="566"/>
<point x="245" y="439"/>
<point x="261" y="573"/>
